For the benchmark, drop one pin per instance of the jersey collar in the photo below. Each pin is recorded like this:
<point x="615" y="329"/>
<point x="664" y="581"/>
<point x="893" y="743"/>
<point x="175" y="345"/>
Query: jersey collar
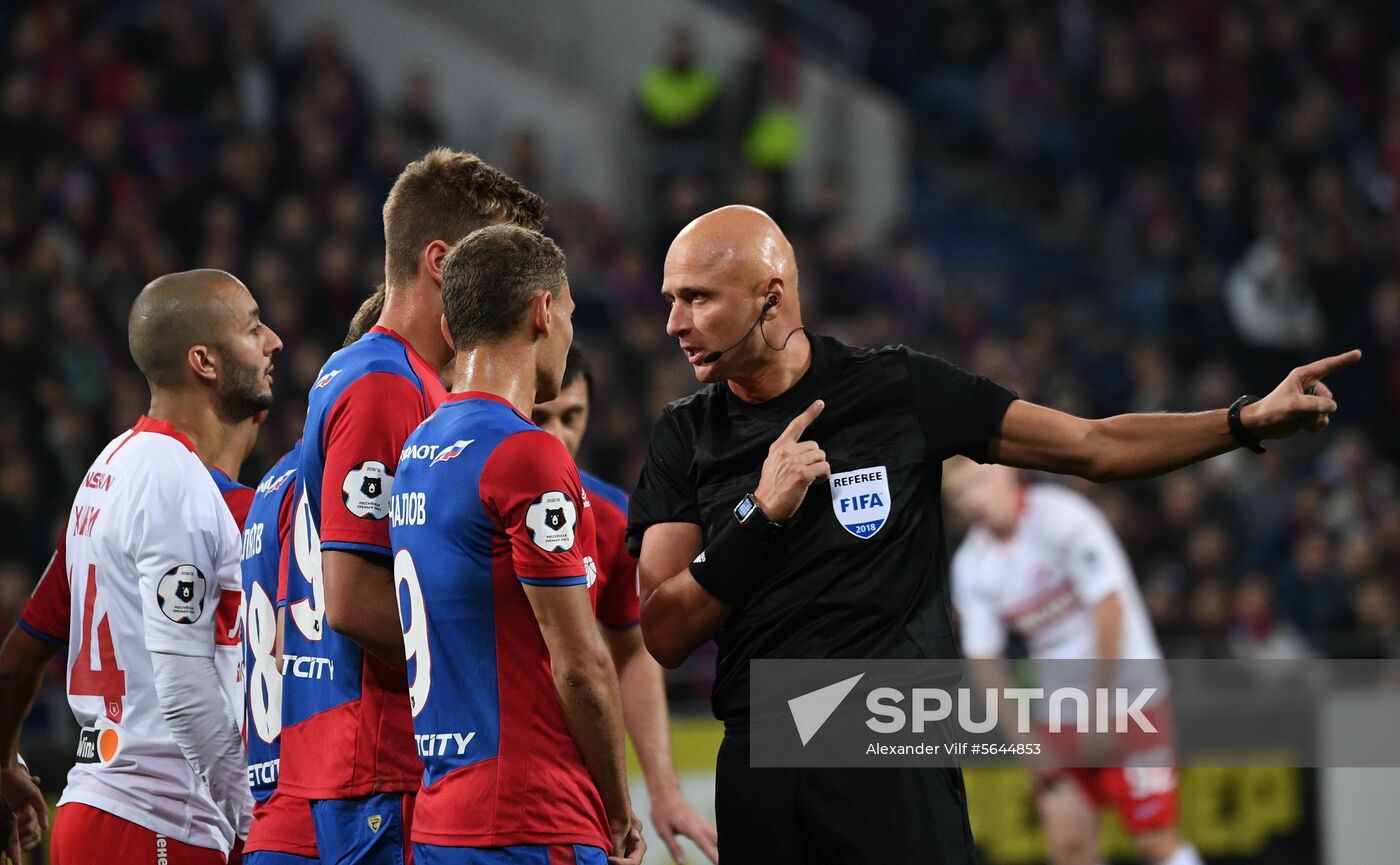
<point x="825" y="352"/>
<point x="393" y="334"/>
<point x="490" y="397"/>
<point x="162" y="427"/>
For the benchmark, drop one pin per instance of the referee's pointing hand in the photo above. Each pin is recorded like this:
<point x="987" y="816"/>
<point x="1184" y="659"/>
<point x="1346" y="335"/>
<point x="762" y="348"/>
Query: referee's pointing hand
<point x="792" y="466"/>
<point x="1300" y="402"/>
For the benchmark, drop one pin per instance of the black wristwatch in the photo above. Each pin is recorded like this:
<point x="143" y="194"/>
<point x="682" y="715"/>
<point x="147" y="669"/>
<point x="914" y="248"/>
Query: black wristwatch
<point x="1245" y="438"/>
<point x="752" y="517"/>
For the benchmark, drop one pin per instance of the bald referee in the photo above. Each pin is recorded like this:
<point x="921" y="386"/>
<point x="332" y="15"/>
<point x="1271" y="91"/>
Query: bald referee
<point x="733" y="548"/>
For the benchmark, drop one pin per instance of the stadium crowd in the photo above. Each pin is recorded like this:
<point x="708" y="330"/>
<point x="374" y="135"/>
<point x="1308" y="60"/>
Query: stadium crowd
<point x="1228" y="179"/>
<point x="1227" y="175"/>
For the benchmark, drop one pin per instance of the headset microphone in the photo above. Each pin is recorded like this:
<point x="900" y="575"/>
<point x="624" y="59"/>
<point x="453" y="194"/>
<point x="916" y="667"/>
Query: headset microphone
<point x="768" y="304"/>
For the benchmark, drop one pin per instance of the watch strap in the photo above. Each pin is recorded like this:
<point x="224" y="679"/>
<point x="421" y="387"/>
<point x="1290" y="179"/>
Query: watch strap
<point x="1242" y="436"/>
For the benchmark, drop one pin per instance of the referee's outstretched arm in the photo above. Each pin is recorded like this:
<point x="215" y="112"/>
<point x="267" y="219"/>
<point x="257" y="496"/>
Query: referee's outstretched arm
<point x="1141" y="445"/>
<point x="730" y="274"/>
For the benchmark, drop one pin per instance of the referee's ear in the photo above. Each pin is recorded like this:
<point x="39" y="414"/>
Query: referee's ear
<point x="773" y="298"/>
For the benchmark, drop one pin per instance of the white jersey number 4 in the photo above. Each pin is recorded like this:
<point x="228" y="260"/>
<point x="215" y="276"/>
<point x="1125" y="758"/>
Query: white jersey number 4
<point x="104" y="679"/>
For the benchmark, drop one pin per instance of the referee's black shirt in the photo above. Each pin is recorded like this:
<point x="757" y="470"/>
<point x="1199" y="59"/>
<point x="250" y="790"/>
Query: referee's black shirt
<point x="861" y="571"/>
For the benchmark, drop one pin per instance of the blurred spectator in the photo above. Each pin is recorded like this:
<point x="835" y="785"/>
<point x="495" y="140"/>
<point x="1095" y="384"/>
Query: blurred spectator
<point x="1256" y="631"/>
<point x="415" y="120"/>
<point x="1377" y="617"/>
<point x="1208" y="621"/>
<point x="1024" y="101"/>
<point x="1311" y="595"/>
<point x="680" y="99"/>
<point x="1269" y="304"/>
<point x="525" y="162"/>
<point x="772" y="129"/>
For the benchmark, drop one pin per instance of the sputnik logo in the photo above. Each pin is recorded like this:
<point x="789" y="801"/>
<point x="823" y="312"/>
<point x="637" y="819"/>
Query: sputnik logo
<point x="813" y="709"/>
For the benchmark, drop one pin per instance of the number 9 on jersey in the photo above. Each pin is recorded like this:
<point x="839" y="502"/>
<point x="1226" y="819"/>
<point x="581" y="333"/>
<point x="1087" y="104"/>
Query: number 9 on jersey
<point x="414" y="619"/>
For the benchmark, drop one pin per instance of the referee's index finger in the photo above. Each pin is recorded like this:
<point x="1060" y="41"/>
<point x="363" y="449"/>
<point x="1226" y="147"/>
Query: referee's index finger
<point x="1319" y="368"/>
<point x="800" y="423"/>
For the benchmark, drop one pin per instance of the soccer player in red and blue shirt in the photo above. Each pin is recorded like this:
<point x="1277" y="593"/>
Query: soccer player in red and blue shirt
<point x="282" y="832"/>
<point x="347" y="735"/>
<point x="248" y="508"/>
<point x="639" y="675"/>
<point x="514" y="697"/>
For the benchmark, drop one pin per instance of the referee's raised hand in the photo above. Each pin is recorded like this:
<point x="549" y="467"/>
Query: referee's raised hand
<point x="792" y="466"/>
<point x="1300" y="402"/>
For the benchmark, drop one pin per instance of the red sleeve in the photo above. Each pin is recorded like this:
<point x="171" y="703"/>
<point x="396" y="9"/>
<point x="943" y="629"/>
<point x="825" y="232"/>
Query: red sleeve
<point x="618" y="604"/>
<point x="531" y="488"/>
<point x="239" y="500"/>
<point x="364" y="434"/>
<point x="46" y="616"/>
<point x="285" y="514"/>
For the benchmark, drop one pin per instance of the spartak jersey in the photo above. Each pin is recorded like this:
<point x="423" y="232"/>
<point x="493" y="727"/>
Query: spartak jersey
<point x="346" y="726"/>
<point x="149" y="563"/>
<point x="619" y="606"/>
<point x="281" y="823"/>
<point x="484" y="501"/>
<point x="1044" y="580"/>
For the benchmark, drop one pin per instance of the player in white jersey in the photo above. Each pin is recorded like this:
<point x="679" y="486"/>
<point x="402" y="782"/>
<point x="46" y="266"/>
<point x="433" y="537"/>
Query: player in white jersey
<point x="1041" y="561"/>
<point x="145" y="590"/>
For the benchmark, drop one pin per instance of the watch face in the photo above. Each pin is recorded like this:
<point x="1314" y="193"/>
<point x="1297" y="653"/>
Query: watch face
<point x="744" y="508"/>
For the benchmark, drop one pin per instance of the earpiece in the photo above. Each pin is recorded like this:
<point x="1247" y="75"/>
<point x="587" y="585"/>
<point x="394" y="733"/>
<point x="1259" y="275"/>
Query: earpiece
<point x="768" y="304"/>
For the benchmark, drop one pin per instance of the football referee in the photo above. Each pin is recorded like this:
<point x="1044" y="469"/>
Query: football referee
<point x="732" y="547"/>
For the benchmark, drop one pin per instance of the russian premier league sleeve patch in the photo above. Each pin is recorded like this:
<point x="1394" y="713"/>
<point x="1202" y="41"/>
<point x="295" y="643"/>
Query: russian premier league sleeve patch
<point x="367" y="489"/>
<point x="180" y="594"/>
<point x="861" y="500"/>
<point x="550" y="520"/>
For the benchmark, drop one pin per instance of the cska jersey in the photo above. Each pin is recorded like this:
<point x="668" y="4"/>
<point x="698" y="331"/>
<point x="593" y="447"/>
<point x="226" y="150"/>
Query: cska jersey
<point x="281" y="823"/>
<point x="237" y="497"/>
<point x="346" y="726"/>
<point x="618" y="604"/>
<point x="484" y="500"/>
<point x="265" y="551"/>
<point x="147" y="563"/>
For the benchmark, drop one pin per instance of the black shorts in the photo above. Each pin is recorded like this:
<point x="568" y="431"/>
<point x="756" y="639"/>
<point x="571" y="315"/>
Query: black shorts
<point x="885" y="816"/>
